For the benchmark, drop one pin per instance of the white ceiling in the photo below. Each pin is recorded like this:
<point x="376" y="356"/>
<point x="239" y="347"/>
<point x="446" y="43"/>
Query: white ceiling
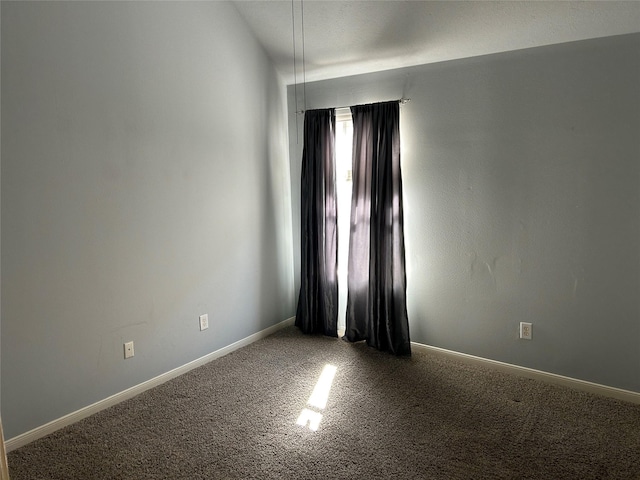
<point x="350" y="37"/>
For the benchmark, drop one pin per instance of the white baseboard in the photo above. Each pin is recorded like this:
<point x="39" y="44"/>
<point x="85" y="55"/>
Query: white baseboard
<point x="48" y="428"/>
<point x="73" y="417"/>
<point x="582" y="385"/>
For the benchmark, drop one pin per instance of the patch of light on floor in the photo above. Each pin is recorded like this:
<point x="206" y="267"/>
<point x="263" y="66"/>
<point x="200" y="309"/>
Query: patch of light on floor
<point x="318" y="399"/>
<point x="309" y="418"/>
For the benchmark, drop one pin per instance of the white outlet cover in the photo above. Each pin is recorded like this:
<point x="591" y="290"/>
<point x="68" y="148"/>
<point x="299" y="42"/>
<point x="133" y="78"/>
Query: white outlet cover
<point x="204" y="321"/>
<point x="128" y="350"/>
<point x="526" y="330"/>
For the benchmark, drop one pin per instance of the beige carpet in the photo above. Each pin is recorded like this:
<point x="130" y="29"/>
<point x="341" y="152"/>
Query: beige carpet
<point x="386" y="417"/>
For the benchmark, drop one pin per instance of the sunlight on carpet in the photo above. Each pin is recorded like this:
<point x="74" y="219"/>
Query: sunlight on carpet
<point x="318" y="399"/>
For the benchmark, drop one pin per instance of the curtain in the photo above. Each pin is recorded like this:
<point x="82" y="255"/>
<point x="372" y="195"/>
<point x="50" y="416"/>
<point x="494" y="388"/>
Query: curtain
<point x="376" y="299"/>
<point x="317" y="310"/>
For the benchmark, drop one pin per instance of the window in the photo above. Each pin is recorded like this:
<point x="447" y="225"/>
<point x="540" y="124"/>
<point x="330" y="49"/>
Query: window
<point x="344" y="145"/>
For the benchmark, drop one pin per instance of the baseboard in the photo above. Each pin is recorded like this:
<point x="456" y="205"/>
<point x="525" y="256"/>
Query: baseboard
<point x="574" y="383"/>
<point x="48" y="428"/>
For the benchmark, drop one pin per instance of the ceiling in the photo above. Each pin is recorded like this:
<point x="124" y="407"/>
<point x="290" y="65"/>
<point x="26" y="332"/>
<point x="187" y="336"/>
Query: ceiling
<point x="344" y="38"/>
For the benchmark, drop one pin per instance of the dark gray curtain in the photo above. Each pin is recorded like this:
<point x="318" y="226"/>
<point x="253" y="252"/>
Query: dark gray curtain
<point x="376" y="300"/>
<point x="317" y="310"/>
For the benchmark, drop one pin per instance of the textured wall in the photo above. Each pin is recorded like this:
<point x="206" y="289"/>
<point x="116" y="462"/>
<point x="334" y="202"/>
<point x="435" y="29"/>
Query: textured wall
<point x="522" y="202"/>
<point x="144" y="181"/>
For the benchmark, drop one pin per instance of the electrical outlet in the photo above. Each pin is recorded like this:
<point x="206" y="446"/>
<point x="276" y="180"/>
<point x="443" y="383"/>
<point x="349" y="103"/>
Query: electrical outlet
<point x="526" y="330"/>
<point x="204" y="321"/>
<point x="128" y="350"/>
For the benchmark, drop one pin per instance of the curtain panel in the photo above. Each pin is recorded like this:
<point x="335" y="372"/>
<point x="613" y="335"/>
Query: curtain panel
<point x="317" y="310"/>
<point x="376" y="300"/>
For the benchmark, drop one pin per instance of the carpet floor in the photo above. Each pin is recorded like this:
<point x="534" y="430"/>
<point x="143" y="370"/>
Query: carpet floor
<point x="424" y="417"/>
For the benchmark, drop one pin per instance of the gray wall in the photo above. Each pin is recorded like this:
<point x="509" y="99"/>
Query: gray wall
<point x="522" y="202"/>
<point x="145" y="180"/>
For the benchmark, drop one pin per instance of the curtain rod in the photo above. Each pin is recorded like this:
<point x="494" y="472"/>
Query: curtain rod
<point x="401" y="101"/>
